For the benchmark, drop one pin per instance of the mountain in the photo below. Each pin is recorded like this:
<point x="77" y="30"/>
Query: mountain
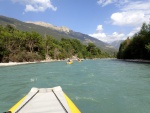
<point x="55" y="31"/>
<point x="116" y="44"/>
<point x="61" y="29"/>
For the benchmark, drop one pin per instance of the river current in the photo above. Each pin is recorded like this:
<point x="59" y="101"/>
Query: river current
<point x="95" y="86"/>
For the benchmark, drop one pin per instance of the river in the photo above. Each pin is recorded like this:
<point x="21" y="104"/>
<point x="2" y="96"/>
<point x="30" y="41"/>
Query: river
<point x="95" y="86"/>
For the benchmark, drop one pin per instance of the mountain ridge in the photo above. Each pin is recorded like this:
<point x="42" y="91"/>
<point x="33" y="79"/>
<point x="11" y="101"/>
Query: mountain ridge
<point x="44" y="24"/>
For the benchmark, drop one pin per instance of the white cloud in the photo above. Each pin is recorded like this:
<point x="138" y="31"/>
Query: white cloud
<point x="36" y="5"/>
<point x="132" y="14"/>
<point x="130" y="18"/>
<point x="29" y="8"/>
<point x="108" y="38"/>
<point x="107" y="2"/>
<point x="100" y="35"/>
<point x="99" y="28"/>
<point x="138" y="5"/>
<point x="116" y="36"/>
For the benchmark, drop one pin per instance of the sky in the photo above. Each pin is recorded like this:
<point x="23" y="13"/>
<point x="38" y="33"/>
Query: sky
<point x="106" y="20"/>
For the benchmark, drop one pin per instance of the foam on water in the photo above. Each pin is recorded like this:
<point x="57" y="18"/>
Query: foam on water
<point x="86" y="98"/>
<point x="33" y="79"/>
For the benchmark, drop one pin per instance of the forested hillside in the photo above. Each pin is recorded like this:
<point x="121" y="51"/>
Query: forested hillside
<point x="57" y="34"/>
<point x="19" y="46"/>
<point x="138" y="47"/>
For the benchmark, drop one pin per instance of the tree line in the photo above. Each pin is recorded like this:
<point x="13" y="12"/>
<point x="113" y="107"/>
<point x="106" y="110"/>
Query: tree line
<point x="20" y="46"/>
<point x="138" y="47"/>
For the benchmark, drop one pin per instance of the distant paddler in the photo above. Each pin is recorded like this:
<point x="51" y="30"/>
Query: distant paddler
<point x="69" y="61"/>
<point x="79" y="60"/>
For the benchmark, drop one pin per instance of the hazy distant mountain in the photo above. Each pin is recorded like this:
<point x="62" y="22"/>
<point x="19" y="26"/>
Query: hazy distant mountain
<point x="55" y="31"/>
<point x="116" y="44"/>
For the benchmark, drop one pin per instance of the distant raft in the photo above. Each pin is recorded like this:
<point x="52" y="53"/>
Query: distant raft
<point x="45" y="100"/>
<point x="70" y="62"/>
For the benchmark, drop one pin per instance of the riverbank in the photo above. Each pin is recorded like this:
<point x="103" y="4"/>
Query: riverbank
<point x="52" y="60"/>
<point x="15" y="63"/>
<point x="137" y="60"/>
<point x="21" y="63"/>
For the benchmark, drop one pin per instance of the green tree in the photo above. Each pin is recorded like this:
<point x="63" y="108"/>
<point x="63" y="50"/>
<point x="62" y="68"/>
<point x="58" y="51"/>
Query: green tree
<point x="148" y="47"/>
<point x="33" y="41"/>
<point x="138" y="46"/>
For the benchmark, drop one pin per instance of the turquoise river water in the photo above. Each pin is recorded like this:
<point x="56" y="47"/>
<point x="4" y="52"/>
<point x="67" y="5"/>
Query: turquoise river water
<point x="95" y="86"/>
